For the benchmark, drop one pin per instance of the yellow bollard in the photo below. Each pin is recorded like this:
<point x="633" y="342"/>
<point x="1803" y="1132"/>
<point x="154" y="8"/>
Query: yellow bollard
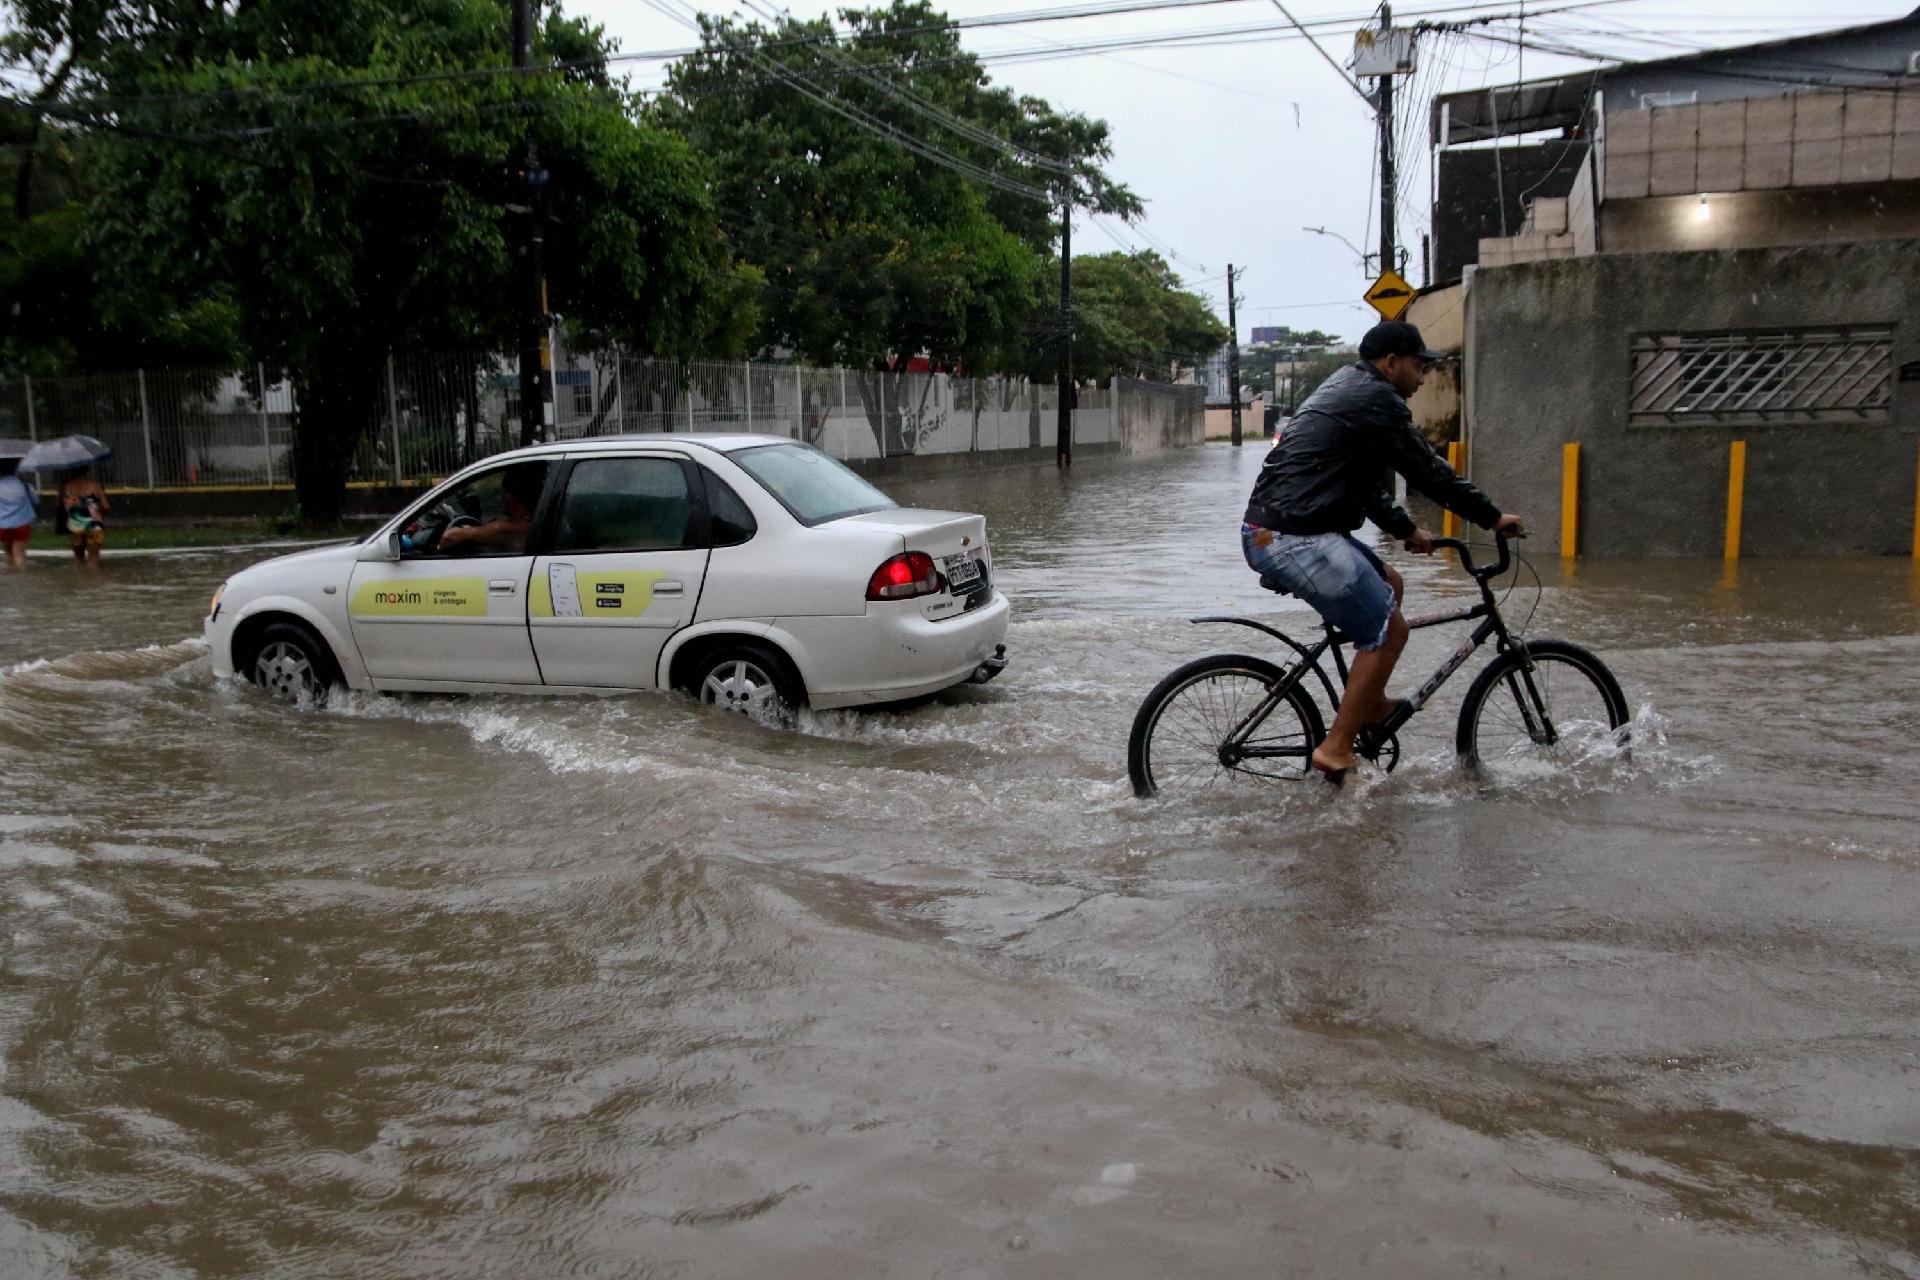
<point x="1916" y="520"/>
<point x="1569" y="500"/>
<point x="1736" y="496"/>
<point x="1449" y="523"/>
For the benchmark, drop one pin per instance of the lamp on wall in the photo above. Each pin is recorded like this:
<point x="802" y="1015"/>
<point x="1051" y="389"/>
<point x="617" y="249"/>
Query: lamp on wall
<point x="1703" y="212"/>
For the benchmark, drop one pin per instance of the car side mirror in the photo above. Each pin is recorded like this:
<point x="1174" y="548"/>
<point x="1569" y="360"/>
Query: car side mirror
<point x="387" y="548"/>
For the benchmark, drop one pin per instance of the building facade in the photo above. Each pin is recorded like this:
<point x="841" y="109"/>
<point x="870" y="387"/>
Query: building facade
<point x="1733" y="259"/>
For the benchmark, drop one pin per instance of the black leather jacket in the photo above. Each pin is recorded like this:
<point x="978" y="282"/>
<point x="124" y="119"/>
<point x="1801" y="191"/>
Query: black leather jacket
<point x="1324" y="475"/>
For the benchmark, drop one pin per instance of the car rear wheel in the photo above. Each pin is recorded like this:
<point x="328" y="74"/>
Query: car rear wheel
<point x="752" y="680"/>
<point x="293" y="665"/>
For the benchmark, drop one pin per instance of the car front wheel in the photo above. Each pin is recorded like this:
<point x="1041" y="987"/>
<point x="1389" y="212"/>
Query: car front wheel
<point x="293" y="665"/>
<point x="752" y="680"/>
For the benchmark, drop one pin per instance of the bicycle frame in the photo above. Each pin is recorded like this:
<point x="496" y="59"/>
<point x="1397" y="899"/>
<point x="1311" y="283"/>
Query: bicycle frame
<point x="1236" y="747"/>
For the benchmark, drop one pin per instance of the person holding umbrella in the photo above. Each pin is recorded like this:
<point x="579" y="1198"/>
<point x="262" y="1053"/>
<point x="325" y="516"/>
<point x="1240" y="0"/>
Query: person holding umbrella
<point x="86" y="505"/>
<point x="82" y="501"/>
<point x="18" y="501"/>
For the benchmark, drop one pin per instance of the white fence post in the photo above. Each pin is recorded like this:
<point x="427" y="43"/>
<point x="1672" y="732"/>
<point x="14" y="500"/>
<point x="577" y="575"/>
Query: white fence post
<point x="689" y="399"/>
<point x="749" y="395"/>
<point x="146" y="425"/>
<point x="619" y="397"/>
<point x="266" y="436"/>
<point x="393" y="420"/>
<point x="33" y="432"/>
<point x="799" y="407"/>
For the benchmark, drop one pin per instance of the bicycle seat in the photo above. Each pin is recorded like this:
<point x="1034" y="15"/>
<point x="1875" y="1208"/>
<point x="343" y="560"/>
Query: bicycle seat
<point x="1274" y="585"/>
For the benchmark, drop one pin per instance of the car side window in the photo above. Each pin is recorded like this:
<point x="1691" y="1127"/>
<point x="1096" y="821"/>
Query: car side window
<point x="489" y="515"/>
<point x="625" y="504"/>
<point x="729" y="521"/>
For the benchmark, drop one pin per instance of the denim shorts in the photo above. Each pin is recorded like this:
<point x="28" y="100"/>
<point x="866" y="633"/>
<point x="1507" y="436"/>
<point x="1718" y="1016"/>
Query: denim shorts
<point x="1337" y="574"/>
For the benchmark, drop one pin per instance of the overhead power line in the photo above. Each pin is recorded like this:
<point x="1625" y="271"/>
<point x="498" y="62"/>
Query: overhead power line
<point x="1331" y="23"/>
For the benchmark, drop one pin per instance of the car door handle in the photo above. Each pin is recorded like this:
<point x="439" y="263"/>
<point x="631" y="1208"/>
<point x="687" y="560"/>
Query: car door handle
<point x="503" y="586"/>
<point x="669" y="588"/>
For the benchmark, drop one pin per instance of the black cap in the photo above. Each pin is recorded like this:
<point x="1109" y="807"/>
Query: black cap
<point x="1396" y="338"/>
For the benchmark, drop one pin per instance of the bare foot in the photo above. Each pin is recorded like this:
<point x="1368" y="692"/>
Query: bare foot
<point x="1333" y="763"/>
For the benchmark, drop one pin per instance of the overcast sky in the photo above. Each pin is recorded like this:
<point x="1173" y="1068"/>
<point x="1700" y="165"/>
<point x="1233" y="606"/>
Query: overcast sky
<point x="1236" y="148"/>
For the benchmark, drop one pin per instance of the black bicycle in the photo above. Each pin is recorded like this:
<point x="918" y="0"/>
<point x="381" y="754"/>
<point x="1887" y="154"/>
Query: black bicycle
<point x="1235" y="717"/>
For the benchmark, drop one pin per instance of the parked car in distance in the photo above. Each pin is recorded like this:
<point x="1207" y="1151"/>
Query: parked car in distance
<point x="754" y="572"/>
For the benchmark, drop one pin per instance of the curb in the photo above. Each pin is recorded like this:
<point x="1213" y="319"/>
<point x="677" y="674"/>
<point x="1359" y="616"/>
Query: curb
<point x="129" y="553"/>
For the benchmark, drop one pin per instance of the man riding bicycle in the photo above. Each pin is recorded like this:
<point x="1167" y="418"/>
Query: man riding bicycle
<point x="1321" y="481"/>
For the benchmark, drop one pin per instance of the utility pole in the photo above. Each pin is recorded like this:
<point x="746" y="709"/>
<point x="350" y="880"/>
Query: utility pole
<point x="1063" y="448"/>
<point x="1388" y="260"/>
<point x="1233" y="356"/>
<point x="536" y="352"/>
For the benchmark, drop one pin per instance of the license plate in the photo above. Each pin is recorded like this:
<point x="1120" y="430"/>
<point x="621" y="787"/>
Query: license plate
<point x="962" y="571"/>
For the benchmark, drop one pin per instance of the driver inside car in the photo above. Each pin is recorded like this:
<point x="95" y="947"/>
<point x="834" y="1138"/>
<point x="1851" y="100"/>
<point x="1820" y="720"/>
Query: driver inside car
<point x="506" y="533"/>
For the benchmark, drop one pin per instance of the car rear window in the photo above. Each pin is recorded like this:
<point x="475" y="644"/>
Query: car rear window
<point x="813" y="486"/>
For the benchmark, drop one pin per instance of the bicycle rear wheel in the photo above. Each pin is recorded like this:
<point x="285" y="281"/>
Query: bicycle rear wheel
<point x="1545" y="700"/>
<point x="1181" y="729"/>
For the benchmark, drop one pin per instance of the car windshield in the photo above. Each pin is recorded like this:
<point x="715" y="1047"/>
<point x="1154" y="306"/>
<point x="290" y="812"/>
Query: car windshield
<point x="813" y="486"/>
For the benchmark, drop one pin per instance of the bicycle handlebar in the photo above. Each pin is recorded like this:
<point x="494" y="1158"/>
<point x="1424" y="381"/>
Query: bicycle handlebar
<point x="1466" y="556"/>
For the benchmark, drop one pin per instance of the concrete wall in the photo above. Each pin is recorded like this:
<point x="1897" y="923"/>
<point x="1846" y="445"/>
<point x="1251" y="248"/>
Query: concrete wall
<point x="1549" y="362"/>
<point x="1253" y="416"/>
<point x="1761" y="219"/>
<point x="1441" y="316"/>
<point x="1819" y="138"/>
<point x="186" y="506"/>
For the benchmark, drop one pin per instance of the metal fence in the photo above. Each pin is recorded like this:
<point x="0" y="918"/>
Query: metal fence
<point x="234" y="427"/>
<point x="1783" y="375"/>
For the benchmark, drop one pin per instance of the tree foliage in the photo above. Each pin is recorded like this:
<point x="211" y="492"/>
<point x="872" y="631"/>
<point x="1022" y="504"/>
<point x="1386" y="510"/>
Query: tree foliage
<point x="345" y="177"/>
<point x="310" y="184"/>
<point x="873" y="251"/>
<point x="1296" y="349"/>
<point x="1131" y="316"/>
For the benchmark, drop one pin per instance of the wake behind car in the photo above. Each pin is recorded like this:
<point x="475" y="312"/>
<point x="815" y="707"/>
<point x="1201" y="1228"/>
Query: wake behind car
<point x="753" y="572"/>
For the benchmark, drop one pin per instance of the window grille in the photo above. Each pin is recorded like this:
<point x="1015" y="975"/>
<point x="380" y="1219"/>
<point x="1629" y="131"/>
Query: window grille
<point x="1782" y="375"/>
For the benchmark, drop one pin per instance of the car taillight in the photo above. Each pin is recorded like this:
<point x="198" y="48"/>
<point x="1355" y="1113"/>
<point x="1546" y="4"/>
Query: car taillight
<point x="904" y="577"/>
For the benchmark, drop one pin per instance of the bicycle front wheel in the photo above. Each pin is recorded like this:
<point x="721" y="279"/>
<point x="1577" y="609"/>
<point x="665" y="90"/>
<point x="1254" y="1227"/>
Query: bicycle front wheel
<point x="1544" y="700"/>
<point x="1182" y="734"/>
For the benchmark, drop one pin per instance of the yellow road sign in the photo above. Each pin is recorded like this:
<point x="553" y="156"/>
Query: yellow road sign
<point x="1391" y="295"/>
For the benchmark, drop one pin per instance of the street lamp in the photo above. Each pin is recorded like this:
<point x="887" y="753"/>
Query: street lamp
<point x="1322" y="231"/>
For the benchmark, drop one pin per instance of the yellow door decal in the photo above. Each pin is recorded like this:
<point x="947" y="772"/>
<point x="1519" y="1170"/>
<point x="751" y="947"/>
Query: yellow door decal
<point x="568" y="591"/>
<point x="421" y="598"/>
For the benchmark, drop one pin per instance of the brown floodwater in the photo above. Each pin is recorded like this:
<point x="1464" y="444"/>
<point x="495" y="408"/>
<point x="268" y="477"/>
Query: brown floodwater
<point x="419" y="987"/>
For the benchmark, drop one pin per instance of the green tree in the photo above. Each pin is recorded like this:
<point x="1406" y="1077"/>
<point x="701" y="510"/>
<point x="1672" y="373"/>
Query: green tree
<point x="1291" y="347"/>
<point x="872" y="252"/>
<point x="1132" y="317"/>
<point x="1314" y="369"/>
<point x="346" y="175"/>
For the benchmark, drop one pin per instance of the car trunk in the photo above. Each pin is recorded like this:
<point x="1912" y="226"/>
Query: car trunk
<point x="955" y="540"/>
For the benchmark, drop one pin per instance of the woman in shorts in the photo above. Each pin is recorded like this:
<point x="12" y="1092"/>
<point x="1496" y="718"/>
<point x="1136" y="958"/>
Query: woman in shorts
<point x="17" y="503"/>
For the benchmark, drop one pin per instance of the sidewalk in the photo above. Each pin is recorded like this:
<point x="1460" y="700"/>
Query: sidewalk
<point x="109" y="553"/>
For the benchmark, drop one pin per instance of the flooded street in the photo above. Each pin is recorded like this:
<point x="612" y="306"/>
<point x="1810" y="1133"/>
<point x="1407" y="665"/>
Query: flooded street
<point x="620" y="988"/>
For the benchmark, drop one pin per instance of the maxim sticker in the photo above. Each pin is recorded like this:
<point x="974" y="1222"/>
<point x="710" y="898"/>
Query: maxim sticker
<point x="421" y="598"/>
<point x="570" y="591"/>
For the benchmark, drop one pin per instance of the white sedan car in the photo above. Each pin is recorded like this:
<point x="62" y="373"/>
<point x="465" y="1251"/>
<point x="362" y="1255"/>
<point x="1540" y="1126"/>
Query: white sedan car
<point x="754" y="572"/>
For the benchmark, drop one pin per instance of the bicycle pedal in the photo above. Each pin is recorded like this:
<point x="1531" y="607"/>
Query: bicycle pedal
<point x="1383" y="751"/>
